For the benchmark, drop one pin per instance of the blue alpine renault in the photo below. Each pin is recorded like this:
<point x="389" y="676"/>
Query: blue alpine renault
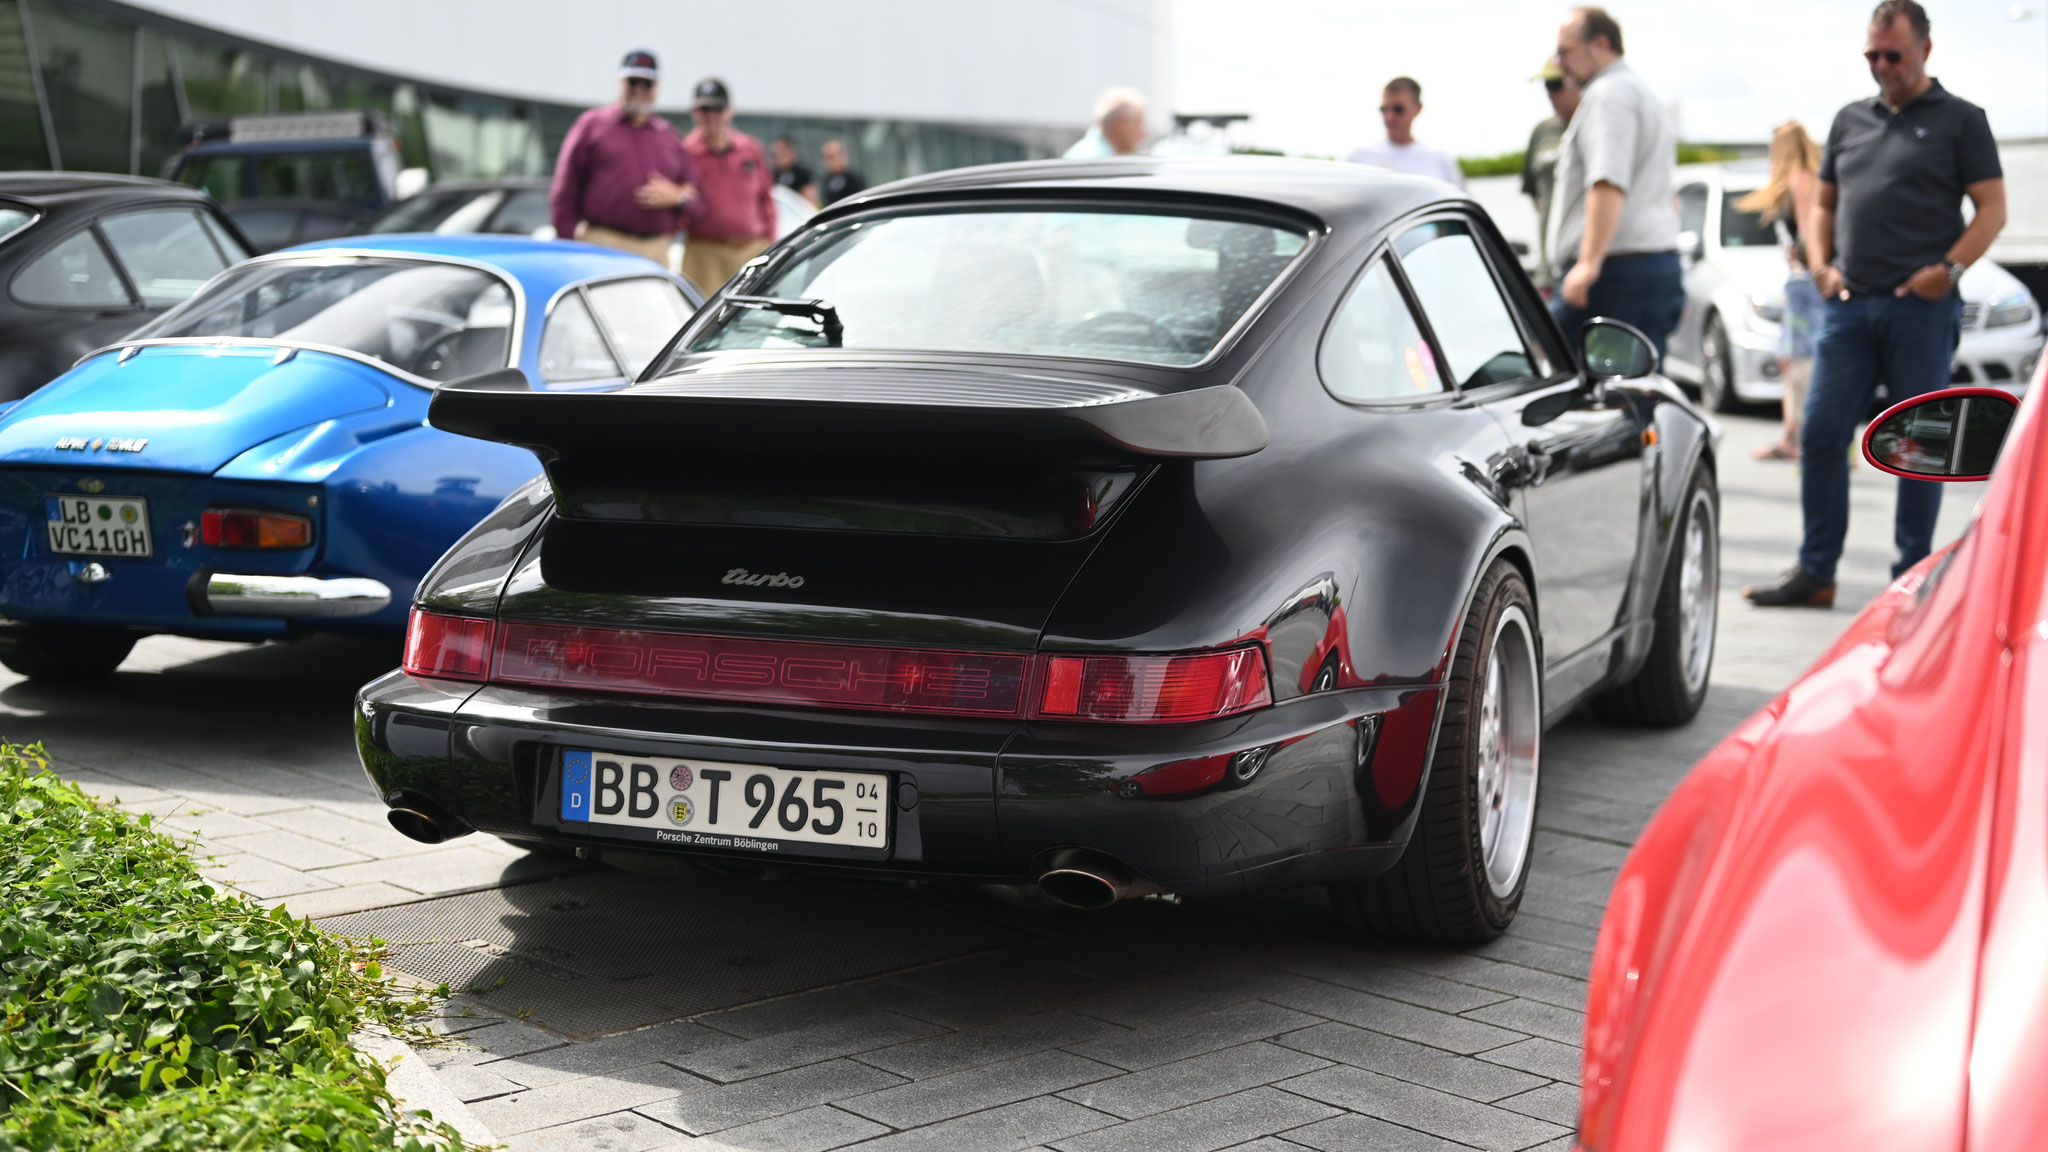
<point x="256" y="463"/>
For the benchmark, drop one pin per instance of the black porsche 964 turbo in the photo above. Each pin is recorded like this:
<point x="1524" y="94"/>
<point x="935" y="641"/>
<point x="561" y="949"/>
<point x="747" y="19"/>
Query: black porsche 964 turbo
<point x="1122" y="527"/>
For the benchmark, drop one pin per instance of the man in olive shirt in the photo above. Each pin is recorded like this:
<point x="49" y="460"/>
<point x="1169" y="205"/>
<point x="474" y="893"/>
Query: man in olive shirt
<point x="1539" y="162"/>
<point x="1887" y="248"/>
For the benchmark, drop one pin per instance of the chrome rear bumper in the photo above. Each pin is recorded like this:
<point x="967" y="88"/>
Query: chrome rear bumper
<point x="293" y="597"/>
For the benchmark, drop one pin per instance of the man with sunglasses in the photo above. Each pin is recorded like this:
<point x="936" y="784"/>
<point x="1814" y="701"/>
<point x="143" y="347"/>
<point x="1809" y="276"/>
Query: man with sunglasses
<point x="738" y="220"/>
<point x="1539" y="163"/>
<point x="1887" y="247"/>
<point x="1400" y="104"/>
<point x="1613" y="226"/>
<point x="623" y="179"/>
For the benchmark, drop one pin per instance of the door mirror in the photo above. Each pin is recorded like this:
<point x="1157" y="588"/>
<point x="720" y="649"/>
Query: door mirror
<point x="1612" y="350"/>
<point x="1692" y="245"/>
<point x="1952" y="434"/>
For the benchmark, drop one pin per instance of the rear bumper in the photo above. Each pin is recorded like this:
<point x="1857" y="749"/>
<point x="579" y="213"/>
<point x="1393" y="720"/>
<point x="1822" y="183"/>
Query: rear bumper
<point x="288" y="597"/>
<point x="1335" y="798"/>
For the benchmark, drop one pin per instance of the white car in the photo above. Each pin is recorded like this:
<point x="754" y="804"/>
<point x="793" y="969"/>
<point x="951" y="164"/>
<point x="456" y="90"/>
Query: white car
<point x="1726" y="342"/>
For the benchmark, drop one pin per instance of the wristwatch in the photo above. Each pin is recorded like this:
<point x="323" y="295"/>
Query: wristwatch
<point x="1955" y="273"/>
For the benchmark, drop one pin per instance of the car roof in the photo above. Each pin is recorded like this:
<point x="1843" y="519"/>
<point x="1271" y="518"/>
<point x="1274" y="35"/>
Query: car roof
<point x="1337" y="194"/>
<point x="53" y="189"/>
<point x="541" y="266"/>
<point x="1729" y="172"/>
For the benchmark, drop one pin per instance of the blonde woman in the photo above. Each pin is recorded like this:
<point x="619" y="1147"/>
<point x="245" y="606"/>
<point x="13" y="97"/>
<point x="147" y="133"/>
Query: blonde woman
<point x="1788" y="200"/>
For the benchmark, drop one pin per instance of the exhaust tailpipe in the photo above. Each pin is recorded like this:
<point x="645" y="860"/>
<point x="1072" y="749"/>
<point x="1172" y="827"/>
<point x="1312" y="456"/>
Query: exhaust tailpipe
<point x="423" y="820"/>
<point x="1086" y="880"/>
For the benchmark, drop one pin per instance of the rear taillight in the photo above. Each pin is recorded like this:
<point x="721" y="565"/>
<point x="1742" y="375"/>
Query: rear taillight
<point x="1153" y="689"/>
<point x="447" y="647"/>
<point x="254" y="529"/>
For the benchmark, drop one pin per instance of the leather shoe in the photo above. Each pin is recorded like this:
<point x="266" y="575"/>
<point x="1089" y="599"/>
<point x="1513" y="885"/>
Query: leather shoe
<point x="1798" y="588"/>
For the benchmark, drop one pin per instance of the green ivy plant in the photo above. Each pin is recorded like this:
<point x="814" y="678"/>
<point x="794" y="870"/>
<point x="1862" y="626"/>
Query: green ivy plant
<point x="142" y="1009"/>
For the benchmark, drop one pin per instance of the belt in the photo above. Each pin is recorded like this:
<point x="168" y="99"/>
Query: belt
<point x="630" y="232"/>
<point x="729" y="241"/>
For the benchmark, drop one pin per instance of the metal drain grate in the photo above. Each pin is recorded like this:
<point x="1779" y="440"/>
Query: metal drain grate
<point x="608" y="951"/>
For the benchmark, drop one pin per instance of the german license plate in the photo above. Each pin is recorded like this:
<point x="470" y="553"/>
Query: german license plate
<point x="98" y="525"/>
<point x="707" y="804"/>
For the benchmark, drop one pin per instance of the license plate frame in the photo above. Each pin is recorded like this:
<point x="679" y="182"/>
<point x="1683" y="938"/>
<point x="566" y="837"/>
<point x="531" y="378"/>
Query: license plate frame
<point x="721" y="807"/>
<point x="121" y="521"/>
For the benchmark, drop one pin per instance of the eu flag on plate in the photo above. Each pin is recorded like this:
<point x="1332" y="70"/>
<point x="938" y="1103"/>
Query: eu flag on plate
<point x="576" y="784"/>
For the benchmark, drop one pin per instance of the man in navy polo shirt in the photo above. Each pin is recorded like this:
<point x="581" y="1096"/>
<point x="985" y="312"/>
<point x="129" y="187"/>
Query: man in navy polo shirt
<point x="1887" y="248"/>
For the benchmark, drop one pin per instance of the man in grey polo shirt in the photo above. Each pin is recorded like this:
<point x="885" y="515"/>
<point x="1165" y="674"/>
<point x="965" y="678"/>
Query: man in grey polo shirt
<point x="1613" y="228"/>
<point x="1887" y="248"/>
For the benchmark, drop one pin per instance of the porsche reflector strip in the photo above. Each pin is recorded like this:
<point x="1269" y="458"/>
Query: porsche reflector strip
<point x="726" y="668"/>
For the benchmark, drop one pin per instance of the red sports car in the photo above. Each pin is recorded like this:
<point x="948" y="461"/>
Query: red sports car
<point x="1835" y="932"/>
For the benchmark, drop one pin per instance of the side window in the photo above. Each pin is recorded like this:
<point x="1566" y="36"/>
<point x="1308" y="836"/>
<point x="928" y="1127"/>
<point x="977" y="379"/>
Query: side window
<point x="1480" y="342"/>
<point x="75" y="273"/>
<point x="228" y="245"/>
<point x="166" y="252"/>
<point x="1692" y="209"/>
<point x="523" y="214"/>
<point x="640" y="315"/>
<point x="1374" y="350"/>
<point x="570" y="346"/>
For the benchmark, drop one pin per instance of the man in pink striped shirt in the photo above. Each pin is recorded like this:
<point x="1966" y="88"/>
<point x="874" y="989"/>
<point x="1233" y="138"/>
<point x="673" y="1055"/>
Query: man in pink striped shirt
<point x="624" y="179"/>
<point x="738" y="219"/>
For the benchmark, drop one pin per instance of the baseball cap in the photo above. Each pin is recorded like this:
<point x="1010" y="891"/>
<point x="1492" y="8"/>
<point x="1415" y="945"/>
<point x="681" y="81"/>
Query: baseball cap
<point x="709" y="93"/>
<point x="1550" y="71"/>
<point x="640" y="65"/>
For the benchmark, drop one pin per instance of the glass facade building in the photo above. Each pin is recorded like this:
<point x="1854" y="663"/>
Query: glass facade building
<point x="100" y="86"/>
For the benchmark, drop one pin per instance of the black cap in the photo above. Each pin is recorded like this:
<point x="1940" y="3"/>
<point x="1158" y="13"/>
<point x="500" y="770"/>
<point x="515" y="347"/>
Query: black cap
<point x="640" y="65"/>
<point x="709" y="93"/>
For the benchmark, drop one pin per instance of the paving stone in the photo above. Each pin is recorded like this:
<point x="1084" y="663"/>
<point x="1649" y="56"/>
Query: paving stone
<point x="378" y="840"/>
<point x="1394" y="983"/>
<point x="1266" y="1144"/>
<point x="261" y="879"/>
<point x="471" y="1084"/>
<point x="708" y="1108"/>
<point x="1183" y="994"/>
<point x="1354" y="1133"/>
<point x="340" y="901"/>
<point x="1557" y="1103"/>
<point x="818" y="1043"/>
<point x="756" y="1021"/>
<point x="291" y="849"/>
<point x="1541" y="1057"/>
<point x="599" y="1057"/>
<point x="503" y="1039"/>
<point x="944" y="1097"/>
<point x="1514" y="949"/>
<point x="1424" y="1109"/>
<point x="1161" y="1043"/>
<point x="1205" y="1127"/>
<point x="1544" y="930"/>
<point x="1408" y="1021"/>
<point x="811" y="1130"/>
<point x="1563" y="1025"/>
<point x="1194" y="1080"/>
<point x="433" y="873"/>
<point x="615" y="1132"/>
<point x="1406" y="1060"/>
<point x="212" y="824"/>
<point x="1045" y="1120"/>
<point x="581" y="1099"/>
<point x="989" y="1044"/>
<point x="1513" y="979"/>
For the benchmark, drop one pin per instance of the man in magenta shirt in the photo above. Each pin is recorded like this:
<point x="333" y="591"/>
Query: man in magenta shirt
<point x="736" y="221"/>
<point x="624" y="179"/>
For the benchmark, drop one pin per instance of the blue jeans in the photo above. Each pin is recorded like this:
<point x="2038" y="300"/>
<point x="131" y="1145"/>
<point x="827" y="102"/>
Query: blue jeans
<point x="1904" y="342"/>
<point x="1645" y="289"/>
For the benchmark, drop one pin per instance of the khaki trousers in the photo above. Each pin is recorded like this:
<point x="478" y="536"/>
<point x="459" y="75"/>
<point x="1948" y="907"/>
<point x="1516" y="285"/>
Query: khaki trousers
<point x="710" y="263"/>
<point x="655" y="248"/>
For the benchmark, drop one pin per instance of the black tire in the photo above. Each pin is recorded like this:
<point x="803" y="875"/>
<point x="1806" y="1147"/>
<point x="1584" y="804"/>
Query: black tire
<point x="1439" y="890"/>
<point x="53" y="655"/>
<point x="1670" y="686"/>
<point x="1717" y="368"/>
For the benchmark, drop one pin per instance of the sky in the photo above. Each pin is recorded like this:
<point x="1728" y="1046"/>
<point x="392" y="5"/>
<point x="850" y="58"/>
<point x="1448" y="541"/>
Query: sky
<point x="1310" y="71"/>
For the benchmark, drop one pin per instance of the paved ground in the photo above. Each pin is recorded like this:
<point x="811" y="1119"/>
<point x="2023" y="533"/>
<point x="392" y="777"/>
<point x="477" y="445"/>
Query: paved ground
<point x="1246" y="1024"/>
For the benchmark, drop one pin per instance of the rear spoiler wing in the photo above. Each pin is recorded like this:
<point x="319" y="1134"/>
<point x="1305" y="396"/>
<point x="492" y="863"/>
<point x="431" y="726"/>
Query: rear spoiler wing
<point x="855" y="412"/>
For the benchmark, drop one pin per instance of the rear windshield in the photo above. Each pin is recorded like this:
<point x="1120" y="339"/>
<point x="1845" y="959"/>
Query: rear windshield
<point x="436" y="321"/>
<point x="1149" y="287"/>
<point x="328" y="174"/>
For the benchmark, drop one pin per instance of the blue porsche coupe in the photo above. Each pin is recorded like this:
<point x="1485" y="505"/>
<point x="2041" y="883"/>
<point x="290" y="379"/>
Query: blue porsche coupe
<point x="256" y="463"/>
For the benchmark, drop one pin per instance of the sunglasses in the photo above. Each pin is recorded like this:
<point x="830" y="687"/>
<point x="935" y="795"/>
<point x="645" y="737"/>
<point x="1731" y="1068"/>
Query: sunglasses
<point x="1553" y="85"/>
<point x="1396" y="109"/>
<point x="637" y="82"/>
<point x="1890" y="55"/>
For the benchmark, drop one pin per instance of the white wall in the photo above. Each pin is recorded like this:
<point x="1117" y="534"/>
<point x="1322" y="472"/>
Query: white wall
<point x="1016" y="62"/>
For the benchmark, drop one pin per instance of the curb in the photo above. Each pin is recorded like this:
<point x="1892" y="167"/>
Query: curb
<point x="413" y="1083"/>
